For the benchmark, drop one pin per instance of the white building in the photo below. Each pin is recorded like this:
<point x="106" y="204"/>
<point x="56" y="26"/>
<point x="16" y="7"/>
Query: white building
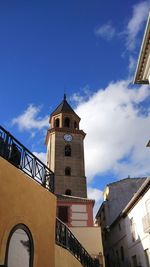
<point x="142" y="74"/>
<point x="127" y="239"/>
<point x="116" y="196"/>
<point x="137" y="223"/>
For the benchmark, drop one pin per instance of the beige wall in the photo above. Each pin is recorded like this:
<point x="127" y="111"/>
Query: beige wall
<point x="90" y="238"/>
<point x="64" y="258"/>
<point x="23" y="201"/>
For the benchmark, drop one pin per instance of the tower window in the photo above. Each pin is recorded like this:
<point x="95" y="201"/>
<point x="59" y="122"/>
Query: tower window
<point x="68" y="192"/>
<point x="122" y="253"/>
<point x="68" y="171"/>
<point x="67" y="122"/>
<point x="68" y="151"/>
<point x="57" y="122"/>
<point x="75" y="125"/>
<point x="63" y="213"/>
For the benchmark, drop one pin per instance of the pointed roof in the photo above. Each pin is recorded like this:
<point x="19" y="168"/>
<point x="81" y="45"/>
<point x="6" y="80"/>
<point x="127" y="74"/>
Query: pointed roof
<point x="64" y="107"/>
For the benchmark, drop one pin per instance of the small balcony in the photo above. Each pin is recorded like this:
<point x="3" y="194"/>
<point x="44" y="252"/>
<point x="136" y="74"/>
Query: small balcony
<point x="146" y="223"/>
<point x="18" y="155"/>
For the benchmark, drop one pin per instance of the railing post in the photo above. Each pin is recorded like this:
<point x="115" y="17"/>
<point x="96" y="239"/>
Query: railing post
<point x="52" y="182"/>
<point x="6" y="147"/>
<point x="44" y="178"/>
<point x="33" y="167"/>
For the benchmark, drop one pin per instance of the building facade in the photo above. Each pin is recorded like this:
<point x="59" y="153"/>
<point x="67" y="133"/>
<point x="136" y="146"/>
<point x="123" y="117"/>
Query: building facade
<point x="65" y="157"/>
<point x="136" y="216"/>
<point x="65" y="151"/>
<point x="36" y="216"/>
<point x="116" y="196"/>
<point x="30" y="233"/>
<point x="28" y="216"/>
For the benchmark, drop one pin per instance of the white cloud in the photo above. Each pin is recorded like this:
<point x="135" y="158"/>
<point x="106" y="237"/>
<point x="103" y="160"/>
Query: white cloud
<point x="79" y="98"/>
<point x="97" y="195"/>
<point x="139" y="16"/>
<point x="106" y="31"/>
<point x="94" y="193"/>
<point x="132" y="64"/>
<point x="41" y="156"/>
<point x="29" y="119"/>
<point x="116" y="129"/>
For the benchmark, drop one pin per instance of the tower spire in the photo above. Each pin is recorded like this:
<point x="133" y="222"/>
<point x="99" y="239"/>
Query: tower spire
<point x="64" y="96"/>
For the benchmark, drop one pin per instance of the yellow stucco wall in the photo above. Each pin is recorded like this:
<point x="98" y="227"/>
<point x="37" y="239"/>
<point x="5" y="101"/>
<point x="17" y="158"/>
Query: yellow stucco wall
<point x="91" y="240"/>
<point x="23" y="201"/>
<point x="63" y="258"/>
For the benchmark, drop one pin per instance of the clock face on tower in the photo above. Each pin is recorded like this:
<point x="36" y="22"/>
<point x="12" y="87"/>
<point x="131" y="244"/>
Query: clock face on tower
<point x="68" y="137"/>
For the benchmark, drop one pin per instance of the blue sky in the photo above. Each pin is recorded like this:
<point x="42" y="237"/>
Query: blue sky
<point x="89" y="50"/>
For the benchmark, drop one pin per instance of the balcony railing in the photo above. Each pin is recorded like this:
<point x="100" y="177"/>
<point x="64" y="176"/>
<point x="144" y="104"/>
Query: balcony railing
<point x="18" y="155"/>
<point x="67" y="240"/>
<point x="146" y="223"/>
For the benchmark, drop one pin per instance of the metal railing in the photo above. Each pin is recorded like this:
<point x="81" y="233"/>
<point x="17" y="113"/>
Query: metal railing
<point x="67" y="240"/>
<point x="17" y="154"/>
<point x="146" y="223"/>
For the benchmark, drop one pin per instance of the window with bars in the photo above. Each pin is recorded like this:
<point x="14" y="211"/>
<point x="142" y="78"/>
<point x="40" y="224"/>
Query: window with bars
<point x="134" y="261"/>
<point x="133" y="230"/>
<point x="122" y="253"/>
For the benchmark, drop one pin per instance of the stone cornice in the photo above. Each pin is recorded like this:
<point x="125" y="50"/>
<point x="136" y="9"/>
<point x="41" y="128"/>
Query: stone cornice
<point x="141" y="70"/>
<point x="64" y="130"/>
<point x="67" y="198"/>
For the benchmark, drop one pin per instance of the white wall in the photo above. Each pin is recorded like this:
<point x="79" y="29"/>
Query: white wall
<point x="142" y="241"/>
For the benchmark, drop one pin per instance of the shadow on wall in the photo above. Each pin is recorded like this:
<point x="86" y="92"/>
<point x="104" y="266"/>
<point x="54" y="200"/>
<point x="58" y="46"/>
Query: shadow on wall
<point x="138" y="240"/>
<point x="20" y="249"/>
<point x="128" y="243"/>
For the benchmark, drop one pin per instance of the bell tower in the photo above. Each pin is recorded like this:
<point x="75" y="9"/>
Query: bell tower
<point x="65" y="151"/>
